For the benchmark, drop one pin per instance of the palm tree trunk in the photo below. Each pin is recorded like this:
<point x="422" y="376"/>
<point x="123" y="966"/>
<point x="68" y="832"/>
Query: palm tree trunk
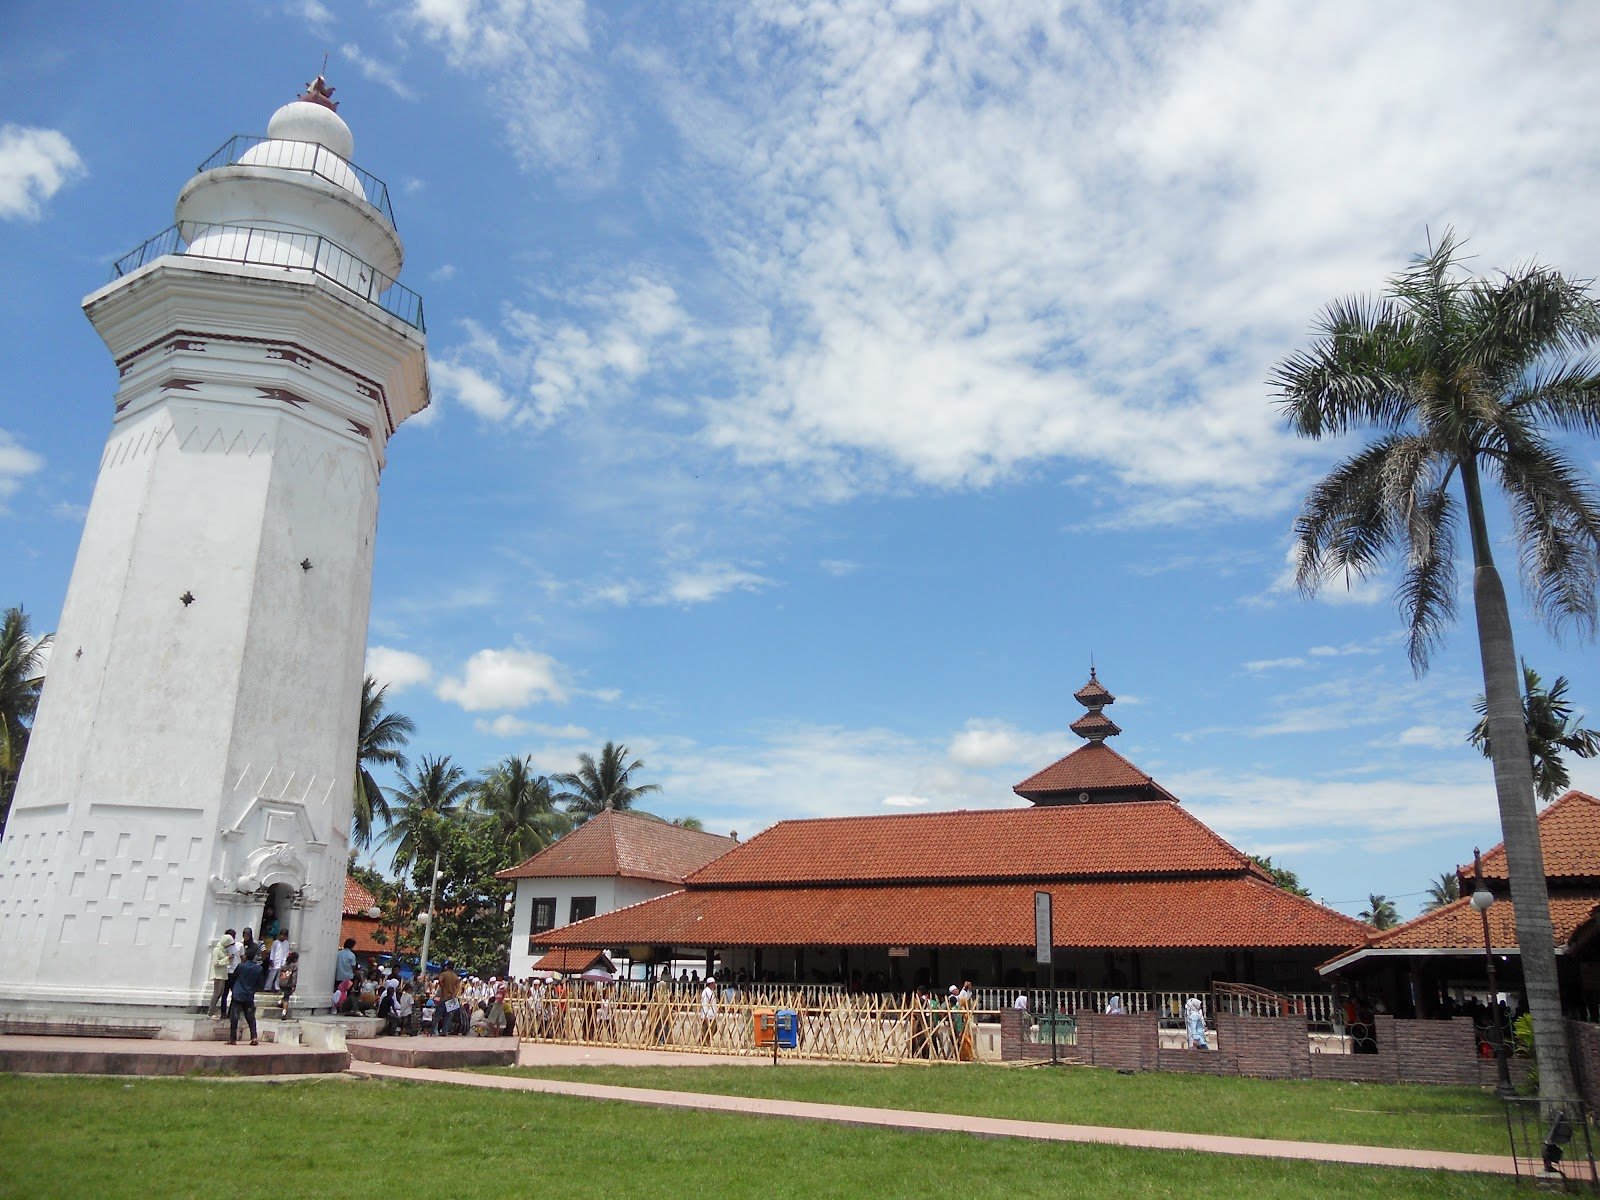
<point x="1519" y="814"/>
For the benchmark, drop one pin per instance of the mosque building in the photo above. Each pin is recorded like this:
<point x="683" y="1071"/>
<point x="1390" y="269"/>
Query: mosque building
<point x="1145" y="896"/>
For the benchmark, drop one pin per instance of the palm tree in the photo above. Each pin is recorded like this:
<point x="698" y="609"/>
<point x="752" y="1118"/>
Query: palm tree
<point x="1443" y="890"/>
<point x="597" y="786"/>
<point x="21" y="678"/>
<point x="378" y="741"/>
<point x="1551" y="729"/>
<point x="1380" y="913"/>
<point x="423" y="807"/>
<point x="694" y="823"/>
<point x="1459" y="378"/>
<point x="520" y="807"/>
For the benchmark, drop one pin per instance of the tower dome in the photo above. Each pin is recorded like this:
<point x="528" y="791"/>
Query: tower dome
<point x="294" y="198"/>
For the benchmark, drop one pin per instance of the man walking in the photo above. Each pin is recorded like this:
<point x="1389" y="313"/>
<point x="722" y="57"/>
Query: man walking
<point x="448" y="1002"/>
<point x="246" y="982"/>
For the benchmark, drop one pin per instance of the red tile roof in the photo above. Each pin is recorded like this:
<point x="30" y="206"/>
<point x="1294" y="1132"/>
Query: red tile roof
<point x="628" y="844"/>
<point x="356" y="898"/>
<point x="1457" y="926"/>
<point x="1569" y="834"/>
<point x="1092" y="768"/>
<point x="986" y="844"/>
<point x="1217" y="913"/>
<point x="1094" y="692"/>
<point x="567" y="960"/>
<point x="363" y="929"/>
<point x="1095" y="724"/>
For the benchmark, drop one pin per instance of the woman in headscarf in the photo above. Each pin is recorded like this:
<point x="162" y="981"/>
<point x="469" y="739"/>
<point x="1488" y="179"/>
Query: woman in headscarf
<point x="1194" y="1022"/>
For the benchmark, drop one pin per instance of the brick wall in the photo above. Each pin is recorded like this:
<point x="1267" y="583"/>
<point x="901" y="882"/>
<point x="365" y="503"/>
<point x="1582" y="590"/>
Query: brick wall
<point x="1124" y="1043"/>
<point x="1583" y="1040"/>
<point x="1431" y="1052"/>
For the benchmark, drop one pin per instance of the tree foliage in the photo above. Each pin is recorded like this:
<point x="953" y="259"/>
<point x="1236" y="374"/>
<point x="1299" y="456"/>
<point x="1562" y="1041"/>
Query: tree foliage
<point x="22" y="657"/>
<point x="425" y="807"/>
<point x="380" y="741"/>
<point x="471" y="927"/>
<point x="1443" y="890"/>
<point x="520" y="807"/>
<point x="1464" y="383"/>
<point x="604" y="783"/>
<point x="1282" y="876"/>
<point x="1552" y="728"/>
<point x="1380" y="912"/>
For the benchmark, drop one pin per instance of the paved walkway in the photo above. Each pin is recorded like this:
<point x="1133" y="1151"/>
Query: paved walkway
<point x="881" y="1118"/>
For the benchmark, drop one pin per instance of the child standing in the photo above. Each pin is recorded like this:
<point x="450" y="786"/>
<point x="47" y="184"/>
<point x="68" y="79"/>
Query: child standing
<point x="288" y="976"/>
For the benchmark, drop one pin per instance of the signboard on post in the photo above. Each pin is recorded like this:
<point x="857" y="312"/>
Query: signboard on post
<point x="1043" y="928"/>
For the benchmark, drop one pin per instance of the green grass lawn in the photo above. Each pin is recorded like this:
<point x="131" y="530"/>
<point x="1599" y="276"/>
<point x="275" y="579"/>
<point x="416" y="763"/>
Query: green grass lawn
<point x="1367" y="1114"/>
<point x="209" y="1138"/>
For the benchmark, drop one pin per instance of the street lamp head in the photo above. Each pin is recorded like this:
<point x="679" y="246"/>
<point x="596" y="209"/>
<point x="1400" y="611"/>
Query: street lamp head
<point x="438" y="875"/>
<point x="1482" y="899"/>
<point x="374" y="912"/>
<point x="424" y="918"/>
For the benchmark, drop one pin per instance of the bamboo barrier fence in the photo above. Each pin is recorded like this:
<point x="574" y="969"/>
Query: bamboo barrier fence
<point x="831" y="1026"/>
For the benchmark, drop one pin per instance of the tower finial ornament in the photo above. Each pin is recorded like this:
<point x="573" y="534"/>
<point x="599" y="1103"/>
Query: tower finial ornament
<point x="318" y="92"/>
<point x="1094" y="725"/>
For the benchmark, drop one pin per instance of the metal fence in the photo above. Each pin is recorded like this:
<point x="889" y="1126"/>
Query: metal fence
<point x="312" y="158"/>
<point x="1551" y="1143"/>
<point x="836" y="1027"/>
<point x="1317" y="1007"/>
<point x="279" y="248"/>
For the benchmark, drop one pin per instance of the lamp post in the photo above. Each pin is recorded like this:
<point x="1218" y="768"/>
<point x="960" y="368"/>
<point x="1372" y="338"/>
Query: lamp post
<point x="427" y="917"/>
<point x="1482" y="898"/>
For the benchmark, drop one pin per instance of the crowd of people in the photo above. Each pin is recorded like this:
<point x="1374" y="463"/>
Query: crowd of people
<point x="242" y="968"/>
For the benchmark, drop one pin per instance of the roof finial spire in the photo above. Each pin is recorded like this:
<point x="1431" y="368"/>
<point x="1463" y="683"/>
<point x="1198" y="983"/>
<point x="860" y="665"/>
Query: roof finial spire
<point x="1094" y="725"/>
<point x="318" y="91"/>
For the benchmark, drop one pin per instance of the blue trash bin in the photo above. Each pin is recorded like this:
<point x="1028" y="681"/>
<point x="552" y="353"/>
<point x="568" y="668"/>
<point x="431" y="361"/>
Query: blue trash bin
<point x="788" y="1029"/>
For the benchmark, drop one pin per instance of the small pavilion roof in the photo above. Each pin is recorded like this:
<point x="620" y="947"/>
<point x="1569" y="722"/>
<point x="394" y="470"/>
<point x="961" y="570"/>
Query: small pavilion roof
<point x="1093" y="768"/>
<point x="627" y="844"/>
<point x="574" y="960"/>
<point x="1457" y="928"/>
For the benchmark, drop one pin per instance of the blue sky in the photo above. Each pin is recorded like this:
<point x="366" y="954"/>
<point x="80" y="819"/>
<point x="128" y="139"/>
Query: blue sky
<point x="818" y="387"/>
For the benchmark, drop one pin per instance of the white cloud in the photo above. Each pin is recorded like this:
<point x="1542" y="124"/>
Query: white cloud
<point x="507" y="726"/>
<point x="697" y="584"/>
<point x="1256" y="666"/>
<point x="1383" y="813"/>
<point x="535" y="58"/>
<point x="839" y="567"/>
<point x="1433" y="737"/>
<point x="989" y="743"/>
<point x="474" y="392"/>
<point x="379" y="72"/>
<point x="965" y="248"/>
<point x="1338" y="590"/>
<point x="34" y="165"/>
<point x="314" y="13"/>
<point x="398" y="669"/>
<point x="443" y="273"/>
<point x="905" y="801"/>
<point x="17" y="462"/>
<point x="504" y="679"/>
<point x="802" y="770"/>
<point x="711" y="582"/>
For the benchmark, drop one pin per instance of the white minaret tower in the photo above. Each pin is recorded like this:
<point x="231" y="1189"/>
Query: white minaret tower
<point x="192" y="762"/>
